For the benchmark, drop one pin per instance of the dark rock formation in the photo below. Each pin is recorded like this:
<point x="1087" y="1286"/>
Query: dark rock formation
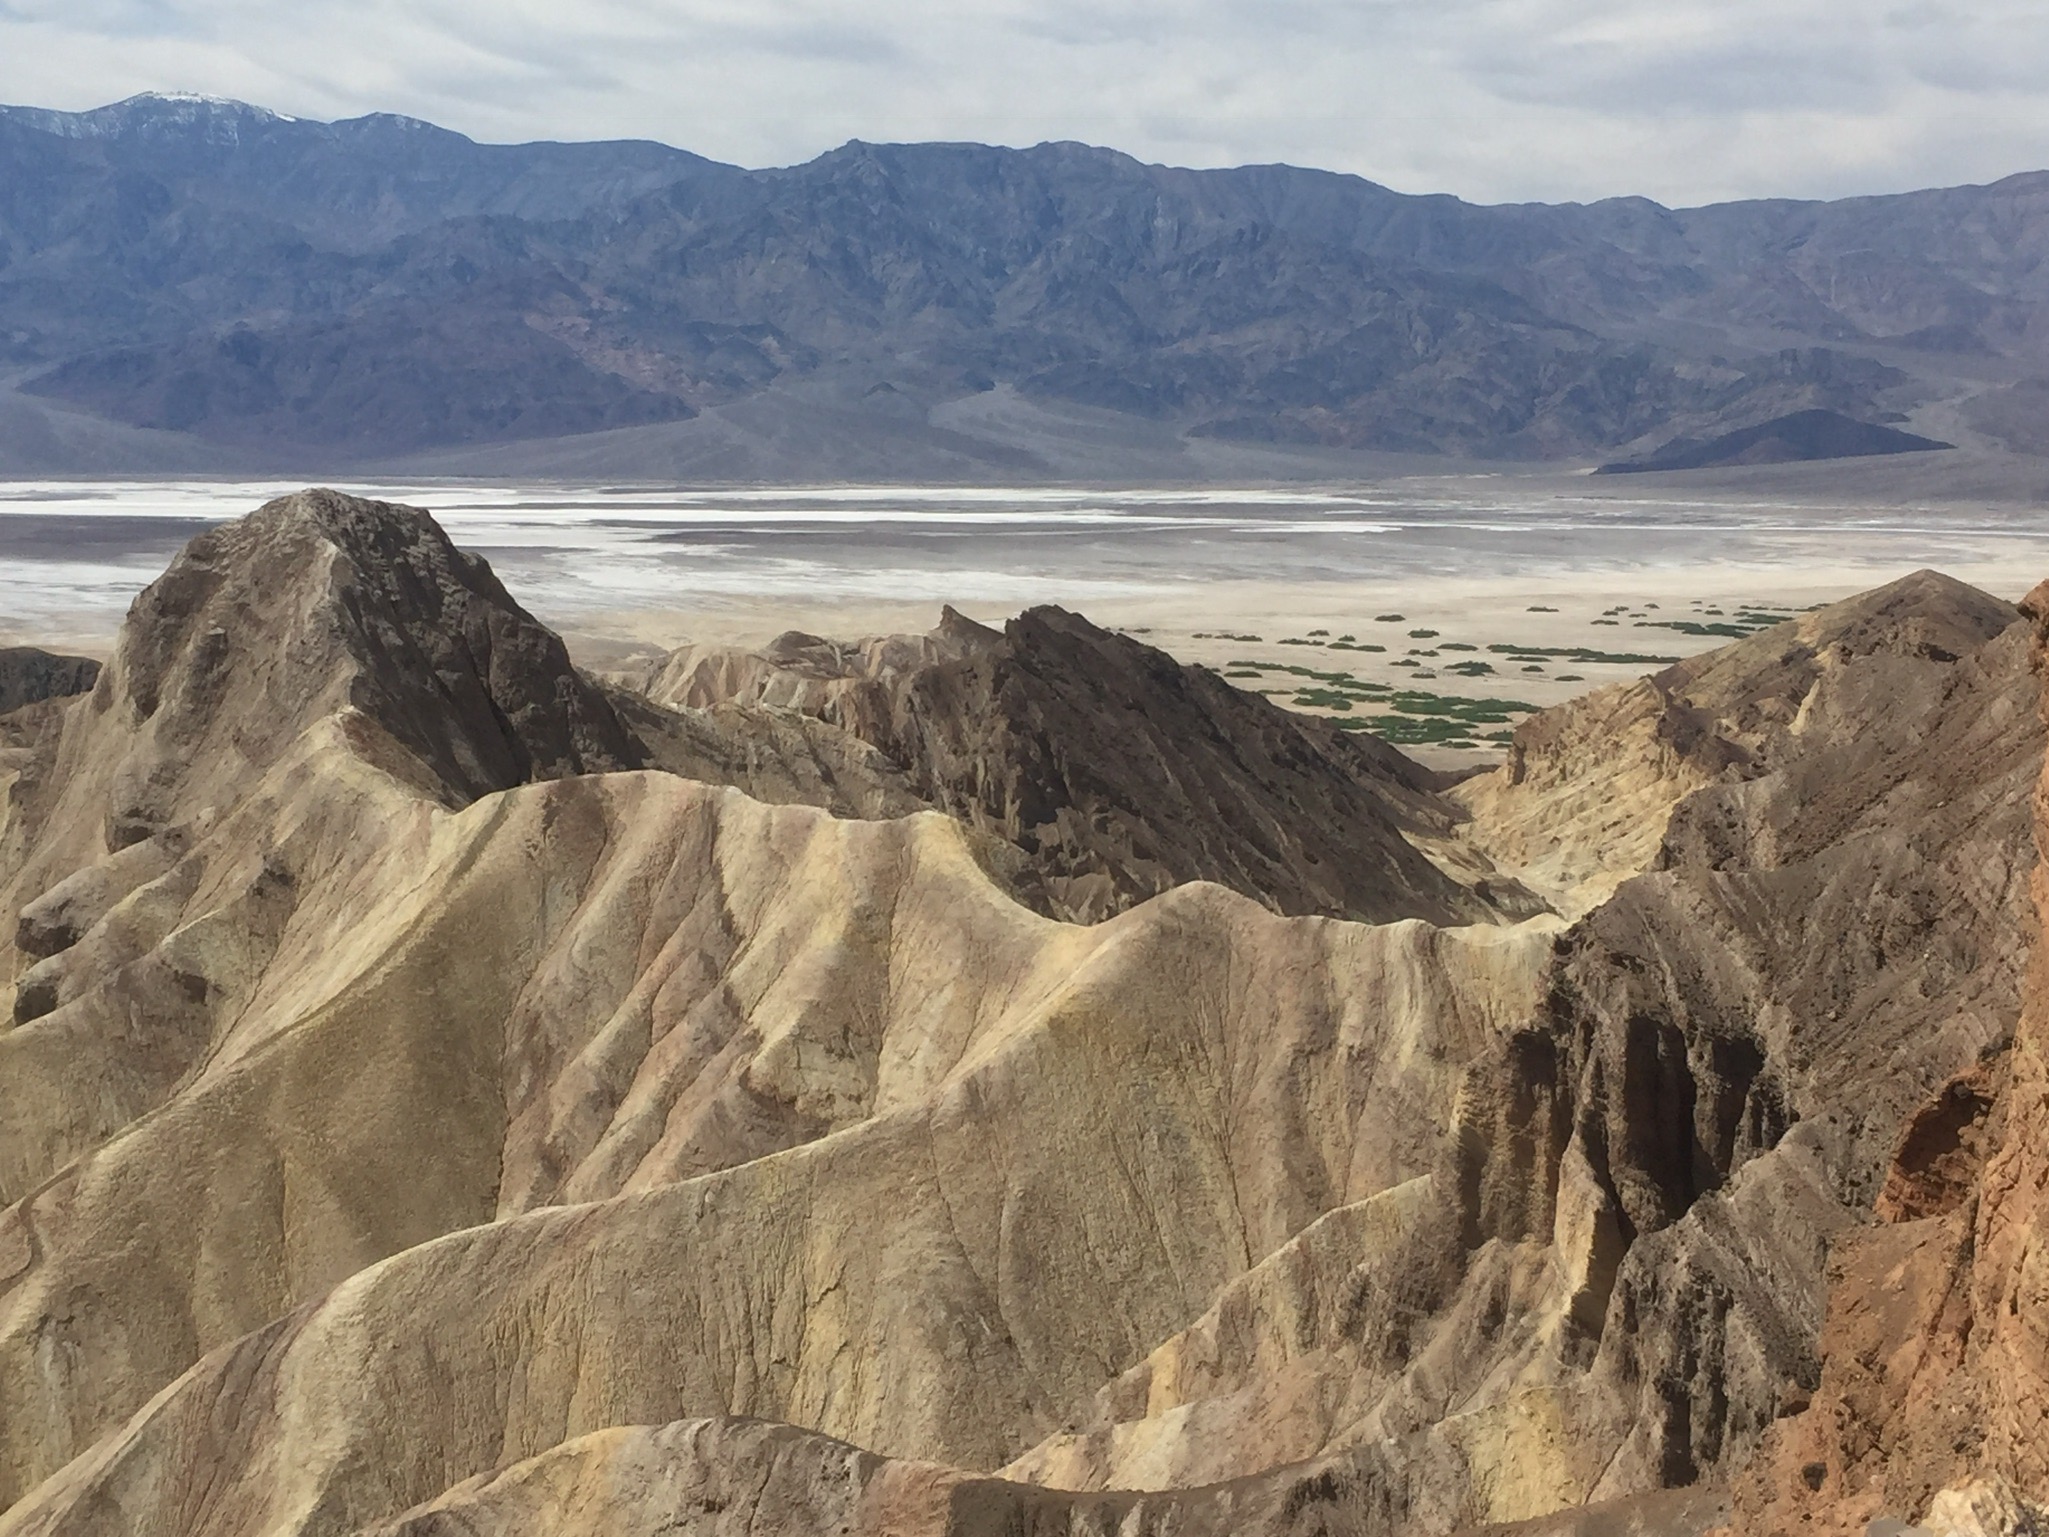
<point x="1736" y="1045"/>
<point x="1121" y="773"/>
<point x="28" y="676"/>
<point x="317" y="600"/>
<point x="1803" y="435"/>
<point x="1117" y="771"/>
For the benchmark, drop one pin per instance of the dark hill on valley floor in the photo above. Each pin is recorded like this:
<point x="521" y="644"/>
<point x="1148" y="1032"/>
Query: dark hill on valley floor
<point x="1792" y="439"/>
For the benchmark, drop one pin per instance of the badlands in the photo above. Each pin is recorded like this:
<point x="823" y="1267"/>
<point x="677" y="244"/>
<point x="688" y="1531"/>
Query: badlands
<point x="1005" y="1081"/>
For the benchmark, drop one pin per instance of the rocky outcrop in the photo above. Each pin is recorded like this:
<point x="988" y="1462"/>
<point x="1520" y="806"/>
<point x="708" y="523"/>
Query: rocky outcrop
<point x="1934" y="1387"/>
<point x="260" y="628"/>
<point x="1118" y="772"/>
<point x="268" y="624"/>
<point x="778" y="756"/>
<point x="28" y="675"/>
<point x="849" y="684"/>
<point x="1586" y="796"/>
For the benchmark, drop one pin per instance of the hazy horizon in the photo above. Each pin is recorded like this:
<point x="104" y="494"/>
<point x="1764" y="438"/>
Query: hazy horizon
<point x="1016" y="146"/>
<point x="1491" y="100"/>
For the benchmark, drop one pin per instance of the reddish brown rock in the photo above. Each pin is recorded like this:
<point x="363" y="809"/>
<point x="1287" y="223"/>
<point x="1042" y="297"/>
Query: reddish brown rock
<point x="1934" y="1399"/>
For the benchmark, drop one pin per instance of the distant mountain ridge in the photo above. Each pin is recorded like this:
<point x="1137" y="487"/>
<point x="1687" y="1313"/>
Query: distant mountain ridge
<point x="263" y="289"/>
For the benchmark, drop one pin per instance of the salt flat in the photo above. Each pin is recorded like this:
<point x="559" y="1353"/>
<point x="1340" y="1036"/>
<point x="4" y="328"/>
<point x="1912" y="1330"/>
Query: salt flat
<point x="1524" y="564"/>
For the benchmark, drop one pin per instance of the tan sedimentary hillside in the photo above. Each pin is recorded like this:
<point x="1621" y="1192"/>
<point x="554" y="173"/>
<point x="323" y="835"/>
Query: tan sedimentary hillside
<point x="744" y="1478"/>
<point x="1238" y="1071"/>
<point x="1617" y="1280"/>
<point x="1581" y="804"/>
<point x="715" y="710"/>
<point x="386" y="1146"/>
<point x="809" y="673"/>
<point x="1118" y="771"/>
<point x="778" y="756"/>
<point x="375" y="1015"/>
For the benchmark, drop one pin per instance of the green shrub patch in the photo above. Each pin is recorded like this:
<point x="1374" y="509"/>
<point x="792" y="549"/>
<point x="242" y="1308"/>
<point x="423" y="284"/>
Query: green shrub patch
<point x="1579" y="654"/>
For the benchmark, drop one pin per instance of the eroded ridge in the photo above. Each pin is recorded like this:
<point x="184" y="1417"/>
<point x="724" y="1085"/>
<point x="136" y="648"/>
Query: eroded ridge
<point x="450" y="1093"/>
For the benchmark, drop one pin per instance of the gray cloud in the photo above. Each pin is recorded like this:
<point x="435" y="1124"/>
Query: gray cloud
<point x="1684" y="100"/>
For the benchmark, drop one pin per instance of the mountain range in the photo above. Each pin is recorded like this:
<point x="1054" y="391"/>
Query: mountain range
<point x="188" y="283"/>
<point x="1003" y="1081"/>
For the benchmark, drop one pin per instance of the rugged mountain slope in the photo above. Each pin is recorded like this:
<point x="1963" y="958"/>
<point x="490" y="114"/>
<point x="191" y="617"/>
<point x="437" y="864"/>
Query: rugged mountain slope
<point x="613" y="1151"/>
<point x="1626" y="1246"/>
<point x="377" y="1015"/>
<point x="1935" y="1381"/>
<point x="1587" y="792"/>
<point x="367" y="289"/>
<point x="1117" y="771"/>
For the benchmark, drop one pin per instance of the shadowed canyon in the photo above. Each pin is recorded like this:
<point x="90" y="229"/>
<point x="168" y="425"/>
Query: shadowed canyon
<point x="1005" y="1081"/>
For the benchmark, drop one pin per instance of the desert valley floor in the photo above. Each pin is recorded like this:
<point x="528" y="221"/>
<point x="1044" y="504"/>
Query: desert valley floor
<point x="1504" y="591"/>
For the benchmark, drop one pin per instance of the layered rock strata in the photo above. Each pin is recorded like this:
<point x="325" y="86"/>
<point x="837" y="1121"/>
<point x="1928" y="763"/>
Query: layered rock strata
<point x="1119" y="772"/>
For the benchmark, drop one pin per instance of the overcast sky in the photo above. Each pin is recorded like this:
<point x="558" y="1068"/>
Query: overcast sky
<point x="1682" y="100"/>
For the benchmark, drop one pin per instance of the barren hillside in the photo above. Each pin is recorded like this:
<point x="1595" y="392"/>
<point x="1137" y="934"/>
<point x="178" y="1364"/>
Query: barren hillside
<point x="993" y="1081"/>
